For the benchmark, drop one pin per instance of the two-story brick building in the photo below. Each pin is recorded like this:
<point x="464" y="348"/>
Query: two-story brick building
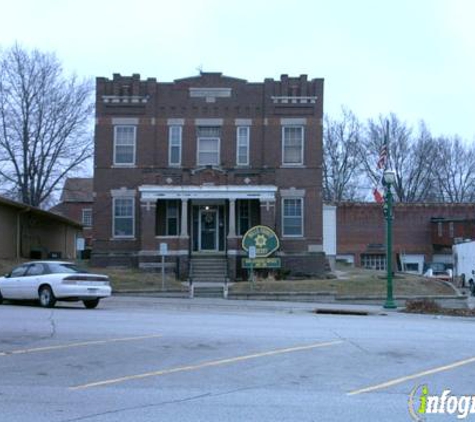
<point x="196" y="162"/>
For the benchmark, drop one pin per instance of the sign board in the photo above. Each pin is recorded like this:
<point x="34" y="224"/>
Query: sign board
<point x="263" y="238"/>
<point x="261" y="263"/>
<point x="80" y="243"/>
<point x="163" y="248"/>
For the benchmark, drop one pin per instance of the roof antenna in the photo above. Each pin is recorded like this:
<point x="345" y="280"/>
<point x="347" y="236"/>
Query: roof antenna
<point x="199" y="68"/>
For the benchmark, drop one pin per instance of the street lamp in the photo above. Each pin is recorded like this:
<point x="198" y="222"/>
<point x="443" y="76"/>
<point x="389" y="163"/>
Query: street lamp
<point x="389" y="179"/>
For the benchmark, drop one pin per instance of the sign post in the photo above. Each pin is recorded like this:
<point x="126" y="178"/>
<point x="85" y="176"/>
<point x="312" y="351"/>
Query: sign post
<point x="163" y="253"/>
<point x="252" y="257"/>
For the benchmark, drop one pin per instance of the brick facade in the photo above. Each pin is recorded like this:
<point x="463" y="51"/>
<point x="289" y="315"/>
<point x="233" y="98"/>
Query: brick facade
<point x="418" y="229"/>
<point x="170" y="166"/>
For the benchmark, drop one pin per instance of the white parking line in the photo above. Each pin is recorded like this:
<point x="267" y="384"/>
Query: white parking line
<point x="80" y="344"/>
<point x="412" y="376"/>
<point x="205" y="365"/>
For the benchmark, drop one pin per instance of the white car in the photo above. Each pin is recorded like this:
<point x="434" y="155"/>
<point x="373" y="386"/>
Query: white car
<point x="49" y="281"/>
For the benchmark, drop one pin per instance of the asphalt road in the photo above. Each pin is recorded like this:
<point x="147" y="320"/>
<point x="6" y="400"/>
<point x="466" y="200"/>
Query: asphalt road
<point x="145" y="359"/>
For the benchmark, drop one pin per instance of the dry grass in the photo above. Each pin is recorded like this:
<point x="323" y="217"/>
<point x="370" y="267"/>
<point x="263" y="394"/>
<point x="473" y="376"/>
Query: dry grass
<point x="353" y="281"/>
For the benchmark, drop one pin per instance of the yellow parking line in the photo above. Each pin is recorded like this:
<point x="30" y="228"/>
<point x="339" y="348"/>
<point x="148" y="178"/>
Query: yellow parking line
<point x="205" y="365"/>
<point x="80" y="344"/>
<point x="413" y="376"/>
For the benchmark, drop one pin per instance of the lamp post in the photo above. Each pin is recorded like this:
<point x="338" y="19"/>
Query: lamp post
<point x="389" y="179"/>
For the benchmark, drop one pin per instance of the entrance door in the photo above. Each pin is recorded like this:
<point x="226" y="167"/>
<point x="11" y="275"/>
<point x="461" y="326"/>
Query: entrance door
<point x="208" y="229"/>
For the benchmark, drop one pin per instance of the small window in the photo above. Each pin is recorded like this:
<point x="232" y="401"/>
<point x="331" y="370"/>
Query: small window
<point x="124" y="217"/>
<point x="172" y="218"/>
<point x="244" y="217"/>
<point x="292" y="217"/>
<point x="439" y="229"/>
<point x="87" y="217"/>
<point x="174" y="145"/>
<point x="209" y="146"/>
<point x="242" y="147"/>
<point x="292" y="145"/>
<point x="451" y="229"/>
<point x="124" y="145"/>
<point x="373" y="261"/>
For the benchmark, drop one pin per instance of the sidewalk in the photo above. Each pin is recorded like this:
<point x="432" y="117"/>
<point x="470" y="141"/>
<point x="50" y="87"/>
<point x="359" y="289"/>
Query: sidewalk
<point x="263" y="305"/>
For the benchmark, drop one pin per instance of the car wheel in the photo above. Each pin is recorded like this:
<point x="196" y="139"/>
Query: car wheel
<point x="47" y="299"/>
<point x="91" y="304"/>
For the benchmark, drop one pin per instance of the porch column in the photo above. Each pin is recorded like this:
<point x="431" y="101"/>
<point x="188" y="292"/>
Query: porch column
<point x="232" y="218"/>
<point x="184" y="218"/>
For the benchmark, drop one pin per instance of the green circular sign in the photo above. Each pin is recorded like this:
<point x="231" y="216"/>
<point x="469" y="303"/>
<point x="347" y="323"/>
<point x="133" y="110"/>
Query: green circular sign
<point x="263" y="239"/>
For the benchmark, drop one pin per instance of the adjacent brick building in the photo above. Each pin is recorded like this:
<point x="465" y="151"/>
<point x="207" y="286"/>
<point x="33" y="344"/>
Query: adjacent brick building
<point x="76" y="203"/>
<point x="422" y="233"/>
<point x="196" y="162"/>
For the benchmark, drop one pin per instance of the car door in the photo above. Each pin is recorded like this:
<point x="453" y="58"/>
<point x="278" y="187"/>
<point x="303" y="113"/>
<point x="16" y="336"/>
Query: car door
<point x="11" y="286"/>
<point x="31" y="281"/>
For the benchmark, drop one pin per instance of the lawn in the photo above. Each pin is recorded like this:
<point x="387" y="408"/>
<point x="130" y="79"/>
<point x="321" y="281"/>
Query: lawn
<point x="349" y="281"/>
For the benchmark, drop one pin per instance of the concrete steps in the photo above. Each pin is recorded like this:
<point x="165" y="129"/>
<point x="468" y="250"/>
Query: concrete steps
<point x="209" y="269"/>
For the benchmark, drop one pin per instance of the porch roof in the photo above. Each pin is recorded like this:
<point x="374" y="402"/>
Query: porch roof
<point x="261" y="192"/>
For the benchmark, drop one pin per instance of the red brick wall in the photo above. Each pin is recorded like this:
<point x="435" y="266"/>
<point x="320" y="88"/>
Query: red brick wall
<point x="360" y="225"/>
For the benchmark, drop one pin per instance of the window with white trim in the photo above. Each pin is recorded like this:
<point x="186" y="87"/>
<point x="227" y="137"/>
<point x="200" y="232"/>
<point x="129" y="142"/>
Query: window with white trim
<point x="209" y="139"/>
<point x="87" y="217"/>
<point x="172" y="218"/>
<point x="174" y="145"/>
<point x="242" y="146"/>
<point x="292" y="217"/>
<point x="124" y="217"/>
<point x="292" y="145"/>
<point x="124" y="145"/>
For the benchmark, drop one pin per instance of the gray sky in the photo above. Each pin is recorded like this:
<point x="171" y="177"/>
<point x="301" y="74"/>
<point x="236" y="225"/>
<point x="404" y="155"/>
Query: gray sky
<point x="412" y="57"/>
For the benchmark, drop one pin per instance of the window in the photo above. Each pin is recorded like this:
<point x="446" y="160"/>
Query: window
<point x="292" y="217"/>
<point x="87" y="217"/>
<point x="124" y="145"/>
<point x="172" y="218"/>
<point x="244" y="217"/>
<point x="19" y="271"/>
<point x="242" y="147"/>
<point x="35" y="269"/>
<point x="373" y="261"/>
<point x="208" y="145"/>
<point x="124" y="217"/>
<point x="439" y="229"/>
<point x="451" y="229"/>
<point x="174" y="145"/>
<point x="292" y="145"/>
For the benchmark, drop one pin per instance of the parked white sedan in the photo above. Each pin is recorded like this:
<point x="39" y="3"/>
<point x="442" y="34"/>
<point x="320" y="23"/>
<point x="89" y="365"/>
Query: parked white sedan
<point x="49" y="281"/>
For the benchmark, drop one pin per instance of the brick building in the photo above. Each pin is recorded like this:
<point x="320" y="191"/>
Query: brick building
<point x="76" y="203"/>
<point x="422" y="233"/>
<point x="196" y="162"/>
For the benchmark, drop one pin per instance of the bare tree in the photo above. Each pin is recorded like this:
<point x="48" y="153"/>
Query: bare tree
<point x="44" y="123"/>
<point x="410" y="156"/>
<point x="341" y="164"/>
<point x="455" y="174"/>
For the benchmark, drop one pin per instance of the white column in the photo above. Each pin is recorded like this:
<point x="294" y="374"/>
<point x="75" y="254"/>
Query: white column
<point x="232" y="218"/>
<point x="184" y="218"/>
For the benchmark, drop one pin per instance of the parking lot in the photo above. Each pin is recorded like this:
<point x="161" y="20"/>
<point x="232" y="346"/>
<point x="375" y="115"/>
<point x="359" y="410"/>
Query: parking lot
<point x="149" y="359"/>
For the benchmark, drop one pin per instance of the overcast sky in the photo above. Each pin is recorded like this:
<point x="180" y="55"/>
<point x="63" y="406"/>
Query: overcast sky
<point x="412" y="57"/>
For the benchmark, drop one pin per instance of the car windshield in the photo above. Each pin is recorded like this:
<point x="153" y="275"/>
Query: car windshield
<point x="65" y="268"/>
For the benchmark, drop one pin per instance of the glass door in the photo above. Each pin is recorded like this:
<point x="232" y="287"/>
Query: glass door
<point x="208" y="230"/>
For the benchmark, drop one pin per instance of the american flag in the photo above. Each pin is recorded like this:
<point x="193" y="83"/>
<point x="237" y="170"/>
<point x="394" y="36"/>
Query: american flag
<point x="383" y="156"/>
<point x="377" y="196"/>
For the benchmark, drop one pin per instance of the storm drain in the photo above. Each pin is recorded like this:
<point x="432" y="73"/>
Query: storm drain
<point x="340" y="312"/>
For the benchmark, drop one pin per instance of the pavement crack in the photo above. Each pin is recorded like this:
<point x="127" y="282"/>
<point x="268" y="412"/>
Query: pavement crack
<point x="353" y="343"/>
<point x="145" y="406"/>
<point x="53" y="325"/>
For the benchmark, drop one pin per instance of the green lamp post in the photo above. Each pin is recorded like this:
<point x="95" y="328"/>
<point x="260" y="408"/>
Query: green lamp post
<point x="389" y="179"/>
